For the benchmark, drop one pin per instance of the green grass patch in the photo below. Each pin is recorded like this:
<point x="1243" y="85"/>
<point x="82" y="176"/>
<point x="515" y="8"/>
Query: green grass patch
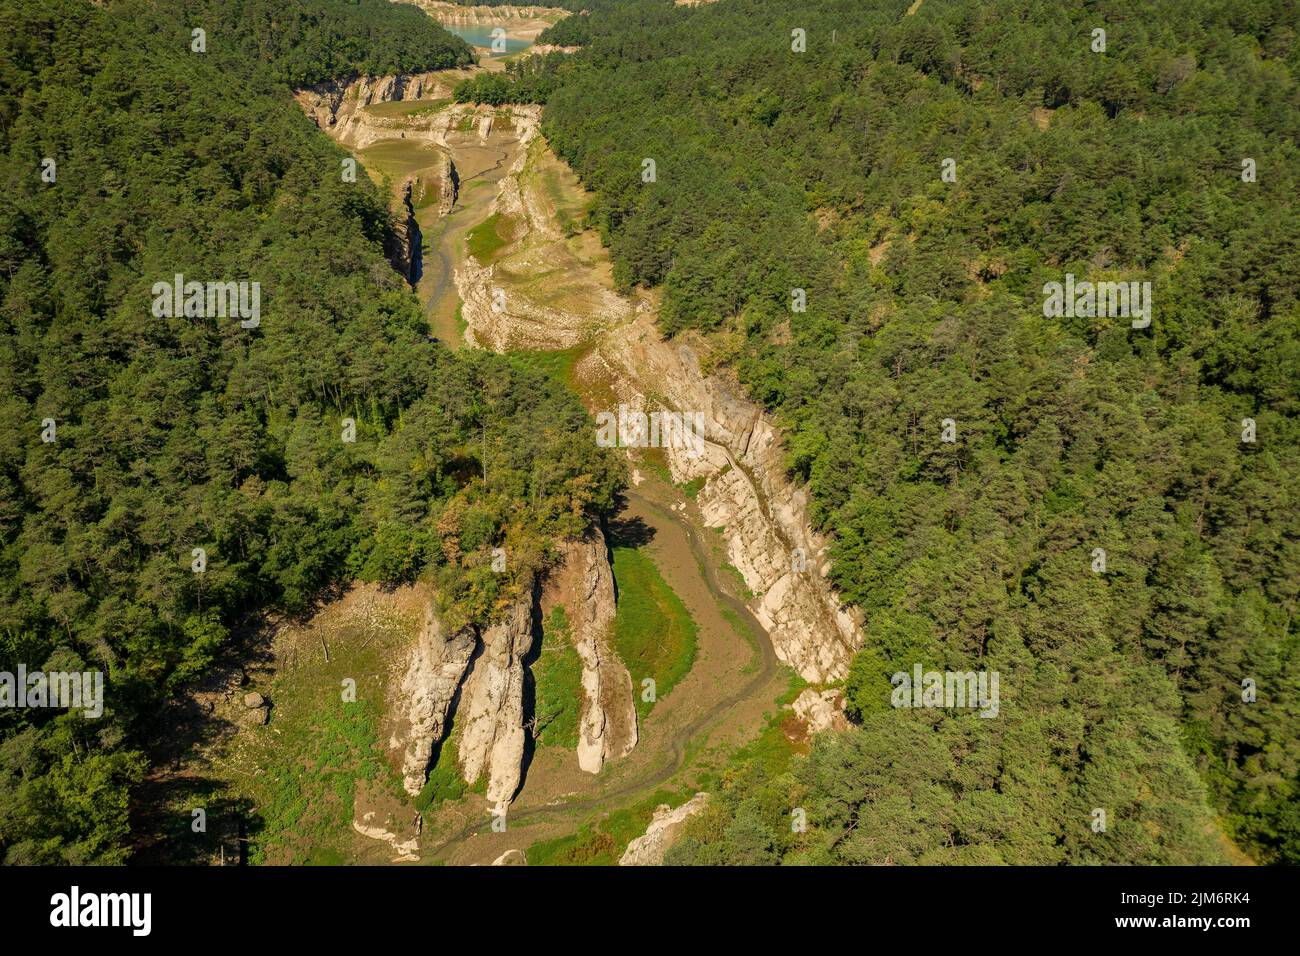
<point x="445" y="781"/>
<point x="556" y="365"/>
<point x="428" y="194"/>
<point x="772" y="749"/>
<point x="739" y="625"/>
<point x="301" y="772"/>
<point x="485" y="240"/>
<point x="557" y="676"/>
<point x="407" y="108"/>
<point x="654" y="634"/>
<point x="734" y="573"/>
<point x="560" y="187"/>
<point x="306" y="795"/>
<point x="656" y="462"/>
<point x="399" y="157"/>
<point x="693" y="487"/>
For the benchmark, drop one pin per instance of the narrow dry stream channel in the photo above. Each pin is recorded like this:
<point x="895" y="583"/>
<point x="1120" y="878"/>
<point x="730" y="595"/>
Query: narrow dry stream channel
<point x="739" y="675"/>
<point x="446" y="241"/>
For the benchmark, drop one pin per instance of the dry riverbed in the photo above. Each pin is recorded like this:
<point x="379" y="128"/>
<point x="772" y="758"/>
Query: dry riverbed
<point x="534" y="241"/>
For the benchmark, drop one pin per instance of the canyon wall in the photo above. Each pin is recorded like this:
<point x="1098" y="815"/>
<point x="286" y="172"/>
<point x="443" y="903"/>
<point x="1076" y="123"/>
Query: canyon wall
<point x="763" y="516"/>
<point x="402" y="245"/>
<point x="339" y="106"/>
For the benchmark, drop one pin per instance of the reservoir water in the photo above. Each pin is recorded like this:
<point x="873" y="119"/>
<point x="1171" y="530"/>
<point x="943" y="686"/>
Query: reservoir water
<point x="481" y="35"/>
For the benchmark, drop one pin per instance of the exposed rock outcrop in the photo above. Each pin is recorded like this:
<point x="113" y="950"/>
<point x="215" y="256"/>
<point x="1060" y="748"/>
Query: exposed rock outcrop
<point x="448" y="185"/>
<point x="458" y="15"/>
<point x="491" y="713"/>
<point x="820" y="712"/>
<point x="763" y="515"/>
<point x="664" y="829"/>
<point x="434" y="671"/>
<point x="406" y="850"/>
<point x="511" y="858"/>
<point x="403" y="245"/>
<point x="339" y="106"/>
<point x="583" y="584"/>
<point x="525" y="322"/>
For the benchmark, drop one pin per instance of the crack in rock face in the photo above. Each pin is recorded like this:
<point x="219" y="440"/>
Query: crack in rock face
<point x="492" y="706"/>
<point x="437" y="665"/>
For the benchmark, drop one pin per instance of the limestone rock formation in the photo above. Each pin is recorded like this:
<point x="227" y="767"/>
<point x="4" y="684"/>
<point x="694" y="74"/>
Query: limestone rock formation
<point x="339" y="106"/>
<point x="403" y="245"/>
<point x="491" y="712"/>
<point x="489" y="716"/>
<point x="820" y="712"/>
<point x="434" y="671"/>
<point x="448" y="185"/>
<point x="664" y="829"/>
<point x="584" y="585"/>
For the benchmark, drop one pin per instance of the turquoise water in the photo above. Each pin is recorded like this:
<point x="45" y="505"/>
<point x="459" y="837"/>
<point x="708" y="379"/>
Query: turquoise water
<point x="481" y="35"/>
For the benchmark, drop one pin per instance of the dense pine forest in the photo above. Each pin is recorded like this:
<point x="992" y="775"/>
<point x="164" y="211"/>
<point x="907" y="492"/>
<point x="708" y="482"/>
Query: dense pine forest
<point x="171" y="434"/>
<point x="310" y="41"/>
<point x="823" y="171"/>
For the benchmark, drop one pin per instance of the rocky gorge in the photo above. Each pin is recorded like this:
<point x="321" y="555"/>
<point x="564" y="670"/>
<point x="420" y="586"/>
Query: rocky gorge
<point x="467" y="690"/>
